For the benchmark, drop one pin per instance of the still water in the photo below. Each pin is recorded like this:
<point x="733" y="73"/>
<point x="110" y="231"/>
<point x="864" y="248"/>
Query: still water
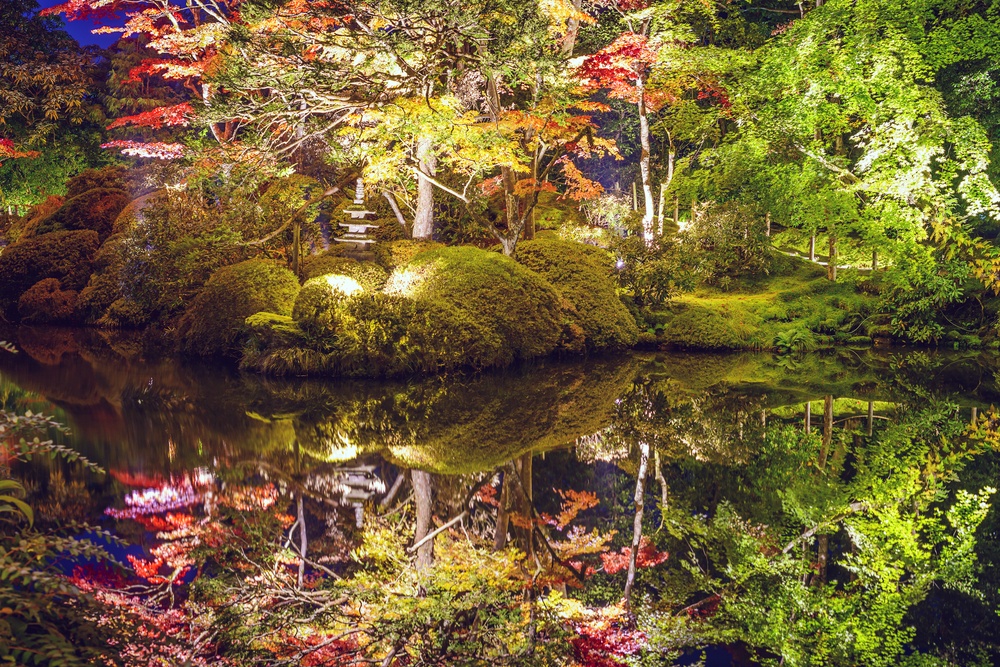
<point x="786" y="498"/>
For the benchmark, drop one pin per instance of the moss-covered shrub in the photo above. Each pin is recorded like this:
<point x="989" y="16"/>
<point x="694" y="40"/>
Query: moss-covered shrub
<point x="112" y="178"/>
<point x="581" y="274"/>
<point x="397" y="253"/>
<point x="370" y="276"/>
<point x="497" y="293"/>
<point x="316" y="307"/>
<point x="95" y="210"/>
<point x="46" y="302"/>
<point x="214" y="324"/>
<point x="699" y="327"/>
<point x="66" y="256"/>
<point x="27" y="226"/>
<point x="105" y="284"/>
<point x="131" y="215"/>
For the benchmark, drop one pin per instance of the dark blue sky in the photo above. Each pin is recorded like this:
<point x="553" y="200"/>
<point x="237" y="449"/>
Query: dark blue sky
<point x="80" y="30"/>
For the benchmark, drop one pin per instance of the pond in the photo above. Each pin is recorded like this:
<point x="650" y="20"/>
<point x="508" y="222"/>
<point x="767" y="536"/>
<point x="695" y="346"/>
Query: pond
<point x="811" y="509"/>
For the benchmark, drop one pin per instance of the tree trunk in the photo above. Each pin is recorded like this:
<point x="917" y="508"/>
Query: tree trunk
<point x="640" y="492"/>
<point x="831" y="267"/>
<point x="424" y="497"/>
<point x="871" y="416"/>
<point x="647" y="188"/>
<point x="808" y="419"/>
<point x="303" y="540"/>
<point x="827" y="430"/>
<point x="812" y="248"/>
<point x="503" y="512"/>
<point x="423" y="221"/>
<point x="874" y="261"/>
<point x="572" y="31"/>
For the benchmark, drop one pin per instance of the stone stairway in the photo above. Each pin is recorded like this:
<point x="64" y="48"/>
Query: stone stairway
<point x="356" y="230"/>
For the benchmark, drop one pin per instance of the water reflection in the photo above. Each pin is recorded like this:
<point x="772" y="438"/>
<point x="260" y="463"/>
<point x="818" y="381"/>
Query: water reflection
<point x="829" y="508"/>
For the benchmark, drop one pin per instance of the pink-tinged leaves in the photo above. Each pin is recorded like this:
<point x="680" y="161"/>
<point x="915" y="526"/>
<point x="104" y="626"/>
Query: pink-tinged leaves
<point x="155" y="149"/>
<point x="647" y="556"/>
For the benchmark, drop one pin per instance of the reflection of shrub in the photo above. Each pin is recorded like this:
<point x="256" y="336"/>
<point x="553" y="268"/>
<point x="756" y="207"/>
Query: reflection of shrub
<point x="496" y="292"/>
<point x="396" y="253"/>
<point x="727" y="241"/>
<point x="62" y="255"/>
<point x="112" y="178"/>
<point x="215" y="322"/>
<point x="581" y="274"/>
<point x="46" y="302"/>
<point x="94" y="209"/>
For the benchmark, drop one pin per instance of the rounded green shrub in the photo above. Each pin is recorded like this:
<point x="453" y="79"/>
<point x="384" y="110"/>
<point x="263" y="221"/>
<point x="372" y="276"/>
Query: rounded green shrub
<point x="370" y="276"/>
<point x="214" y="324"/>
<point x="66" y="256"/>
<point x="315" y="310"/>
<point x="393" y="254"/>
<point x="494" y="291"/>
<point x="94" y="209"/>
<point x="581" y="274"/>
<point x="46" y="302"/>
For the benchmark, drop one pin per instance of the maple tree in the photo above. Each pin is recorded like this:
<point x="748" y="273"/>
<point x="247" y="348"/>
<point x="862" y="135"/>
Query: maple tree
<point x="185" y="38"/>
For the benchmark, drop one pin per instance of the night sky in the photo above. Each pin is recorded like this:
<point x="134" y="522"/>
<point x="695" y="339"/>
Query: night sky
<point x="80" y="30"/>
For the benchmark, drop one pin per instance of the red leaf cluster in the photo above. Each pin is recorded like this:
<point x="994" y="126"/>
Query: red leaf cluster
<point x="647" y="556"/>
<point x="605" y="643"/>
<point x="177" y="115"/>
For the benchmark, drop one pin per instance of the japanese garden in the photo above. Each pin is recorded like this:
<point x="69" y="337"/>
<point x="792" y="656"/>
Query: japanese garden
<point x="513" y="333"/>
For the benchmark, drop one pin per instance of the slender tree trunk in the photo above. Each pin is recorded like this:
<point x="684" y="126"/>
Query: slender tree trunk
<point x="664" y="489"/>
<point x="424" y="497"/>
<point x="640" y="492"/>
<point x="874" y="261"/>
<point x="808" y="419"/>
<point x="395" y="209"/>
<point x="647" y="187"/>
<point x="303" y="541"/>
<point x="659" y="209"/>
<point x="871" y="416"/>
<point x="503" y="512"/>
<point x="423" y="221"/>
<point x="812" y="248"/>
<point x="827" y="430"/>
<point x="831" y="267"/>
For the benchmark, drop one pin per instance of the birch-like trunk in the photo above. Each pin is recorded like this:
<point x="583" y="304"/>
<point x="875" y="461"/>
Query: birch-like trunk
<point x="423" y="221"/>
<point x="640" y="492"/>
<point x="424" y="498"/>
<point x="647" y="187"/>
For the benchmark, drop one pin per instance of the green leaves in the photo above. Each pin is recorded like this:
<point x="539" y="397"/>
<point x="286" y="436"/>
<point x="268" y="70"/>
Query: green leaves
<point x="9" y="503"/>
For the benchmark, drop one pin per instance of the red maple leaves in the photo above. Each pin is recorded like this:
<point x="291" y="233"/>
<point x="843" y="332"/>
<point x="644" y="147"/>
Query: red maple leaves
<point x="154" y="149"/>
<point x="646" y="556"/>
<point x="178" y="115"/>
<point x="9" y="152"/>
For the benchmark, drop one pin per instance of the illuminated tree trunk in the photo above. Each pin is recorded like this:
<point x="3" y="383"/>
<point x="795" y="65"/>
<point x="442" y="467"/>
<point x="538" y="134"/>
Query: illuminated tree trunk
<point x="640" y="492"/>
<point x="424" y="497"/>
<point x="812" y="248"/>
<point x="503" y="511"/>
<point x="647" y="188"/>
<point x="572" y="31"/>
<point x="423" y="221"/>
<point x="808" y="418"/>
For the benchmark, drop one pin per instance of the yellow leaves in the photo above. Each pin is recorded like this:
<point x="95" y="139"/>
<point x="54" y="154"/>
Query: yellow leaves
<point x="560" y="13"/>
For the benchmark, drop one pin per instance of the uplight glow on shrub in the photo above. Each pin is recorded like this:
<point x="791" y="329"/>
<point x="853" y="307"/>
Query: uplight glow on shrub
<point x="344" y="284"/>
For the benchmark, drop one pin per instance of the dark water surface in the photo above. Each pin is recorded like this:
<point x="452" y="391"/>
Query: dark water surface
<point x="709" y="425"/>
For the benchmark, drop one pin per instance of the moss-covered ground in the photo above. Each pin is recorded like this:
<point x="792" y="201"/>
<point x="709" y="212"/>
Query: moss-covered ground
<point x="794" y="307"/>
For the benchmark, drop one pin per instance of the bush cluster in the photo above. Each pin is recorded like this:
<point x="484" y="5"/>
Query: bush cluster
<point x="447" y="308"/>
<point x="65" y="256"/>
